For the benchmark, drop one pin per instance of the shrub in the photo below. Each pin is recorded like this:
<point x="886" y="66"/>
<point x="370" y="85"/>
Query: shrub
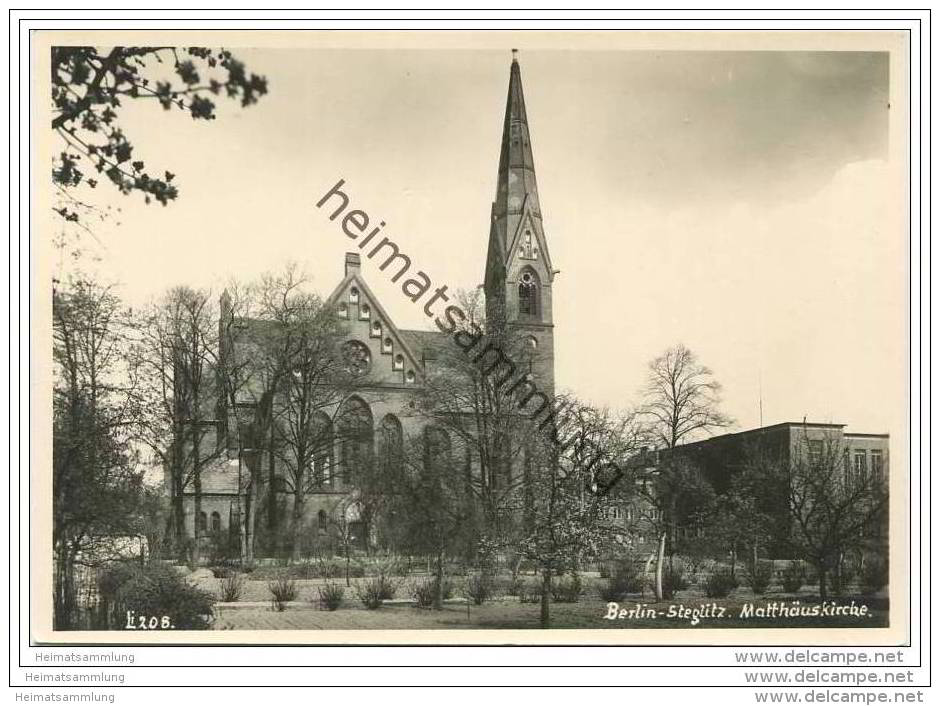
<point x="874" y="575"/>
<point x="674" y="580"/>
<point x="567" y="589"/>
<point x="222" y="572"/>
<point x="155" y="589"/>
<point x="231" y="587"/>
<point x="478" y="588"/>
<point x="283" y="589"/>
<point x="530" y="591"/>
<point x="331" y="596"/>
<point x="758" y="578"/>
<point x="424" y="591"/>
<point x="626" y="578"/>
<point x="610" y="591"/>
<point x="793" y="577"/>
<point x="720" y="583"/>
<point x="391" y="566"/>
<point x="371" y="592"/>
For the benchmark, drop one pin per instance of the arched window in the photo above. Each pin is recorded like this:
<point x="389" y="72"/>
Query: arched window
<point x="437" y="451"/>
<point x="321" y="520"/>
<point x="529" y="294"/>
<point x="391" y="443"/>
<point x="354" y="427"/>
<point x="216" y="523"/>
<point x="528" y="248"/>
<point x="321" y="466"/>
<point x="201" y="523"/>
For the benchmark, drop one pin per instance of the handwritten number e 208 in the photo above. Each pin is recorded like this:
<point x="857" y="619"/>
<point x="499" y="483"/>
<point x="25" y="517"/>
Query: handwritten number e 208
<point x="145" y="622"/>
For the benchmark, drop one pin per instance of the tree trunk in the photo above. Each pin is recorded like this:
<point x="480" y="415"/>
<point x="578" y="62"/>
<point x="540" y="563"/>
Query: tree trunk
<point x="544" y="616"/>
<point x="197" y="514"/>
<point x="297" y="525"/>
<point x="439" y="581"/>
<point x="63" y="590"/>
<point x="823" y="594"/>
<point x="661" y="555"/>
<point x="179" y="517"/>
<point x="734" y="557"/>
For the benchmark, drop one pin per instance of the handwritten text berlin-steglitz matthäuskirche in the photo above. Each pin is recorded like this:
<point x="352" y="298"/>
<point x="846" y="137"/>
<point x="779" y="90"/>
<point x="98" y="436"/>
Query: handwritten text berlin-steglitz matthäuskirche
<point x="708" y="611"/>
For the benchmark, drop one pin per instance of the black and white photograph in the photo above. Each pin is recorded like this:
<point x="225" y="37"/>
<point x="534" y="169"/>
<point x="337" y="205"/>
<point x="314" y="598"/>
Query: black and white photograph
<point x="494" y="337"/>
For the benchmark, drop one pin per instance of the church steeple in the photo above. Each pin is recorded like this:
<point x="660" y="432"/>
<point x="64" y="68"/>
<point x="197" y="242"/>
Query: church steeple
<point x="519" y="272"/>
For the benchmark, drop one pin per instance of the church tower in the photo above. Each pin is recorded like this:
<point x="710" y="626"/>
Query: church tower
<point x="519" y="274"/>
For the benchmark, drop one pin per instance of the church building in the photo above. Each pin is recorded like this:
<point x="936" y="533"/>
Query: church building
<point x="518" y="290"/>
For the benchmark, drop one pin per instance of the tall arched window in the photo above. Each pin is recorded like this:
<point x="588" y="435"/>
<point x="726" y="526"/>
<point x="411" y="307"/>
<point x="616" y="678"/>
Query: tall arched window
<point x="321" y="464"/>
<point x="437" y="451"/>
<point x="216" y="523"/>
<point x="530" y="294"/>
<point x="354" y="427"/>
<point x="201" y="523"/>
<point x="390" y="443"/>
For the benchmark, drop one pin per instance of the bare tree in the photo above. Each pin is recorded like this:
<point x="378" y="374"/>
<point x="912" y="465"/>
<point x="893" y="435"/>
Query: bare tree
<point x="682" y="401"/>
<point x="429" y="499"/>
<point x="468" y="392"/>
<point x="570" y="490"/>
<point x="832" y="508"/>
<point x="682" y="398"/>
<point x="305" y="370"/>
<point x="178" y="350"/>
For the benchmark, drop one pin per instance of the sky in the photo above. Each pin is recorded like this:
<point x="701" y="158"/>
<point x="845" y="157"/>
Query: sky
<point x="744" y="203"/>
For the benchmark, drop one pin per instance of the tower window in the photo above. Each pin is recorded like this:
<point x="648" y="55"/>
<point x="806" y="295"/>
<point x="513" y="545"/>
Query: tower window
<point x="529" y="295"/>
<point x="528" y="249"/>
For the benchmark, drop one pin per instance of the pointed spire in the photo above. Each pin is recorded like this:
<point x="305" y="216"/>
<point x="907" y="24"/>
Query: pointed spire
<point x="516" y="188"/>
<point x="516" y="178"/>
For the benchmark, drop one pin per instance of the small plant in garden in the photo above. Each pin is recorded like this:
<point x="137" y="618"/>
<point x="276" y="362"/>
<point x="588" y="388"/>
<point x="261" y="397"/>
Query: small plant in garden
<point x="758" y="578"/>
<point x="283" y="590"/>
<point x="331" y="596"/>
<point x="231" y="587"/>
<point x="478" y="588"/>
<point x="567" y="589"/>
<point x="387" y="586"/>
<point x="793" y="578"/>
<point x="424" y="592"/>
<point x="720" y="583"/>
<point x="371" y="592"/>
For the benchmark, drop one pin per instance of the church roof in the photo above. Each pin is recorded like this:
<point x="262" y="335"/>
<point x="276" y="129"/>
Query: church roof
<point x="426" y="344"/>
